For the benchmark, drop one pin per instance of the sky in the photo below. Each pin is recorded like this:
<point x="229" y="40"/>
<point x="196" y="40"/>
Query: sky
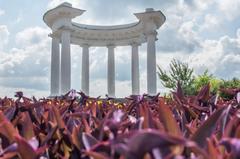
<point x="203" y="33"/>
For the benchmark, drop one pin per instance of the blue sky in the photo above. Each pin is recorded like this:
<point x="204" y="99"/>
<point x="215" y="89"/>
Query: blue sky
<point x="205" y="33"/>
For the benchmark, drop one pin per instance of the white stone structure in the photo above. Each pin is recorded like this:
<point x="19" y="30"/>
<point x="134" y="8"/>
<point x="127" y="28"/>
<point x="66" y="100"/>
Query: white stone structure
<point x="67" y="32"/>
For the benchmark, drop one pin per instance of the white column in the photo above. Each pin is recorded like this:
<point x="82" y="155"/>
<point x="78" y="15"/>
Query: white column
<point x="55" y="67"/>
<point x="65" y="62"/>
<point x="135" y="69"/>
<point x="151" y="64"/>
<point x="85" y="69"/>
<point x="111" y="71"/>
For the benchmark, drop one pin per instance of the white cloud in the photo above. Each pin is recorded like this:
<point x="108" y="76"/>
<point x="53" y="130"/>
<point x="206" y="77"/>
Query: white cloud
<point x="188" y="31"/>
<point x="2" y="12"/>
<point x="221" y="57"/>
<point x="182" y="37"/>
<point x="203" y="4"/>
<point x="10" y="92"/>
<point x="31" y="36"/>
<point x="230" y="45"/>
<point x="4" y="34"/>
<point x="19" y="19"/>
<point x="230" y="8"/>
<point x="111" y="12"/>
<point x="210" y="22"/>
<point x="54" y="3"/>
<point x="228" y="67"/>
<point x="98" y="87"/>
<point x="238" y="33"/>
<point x="26" y="67"/>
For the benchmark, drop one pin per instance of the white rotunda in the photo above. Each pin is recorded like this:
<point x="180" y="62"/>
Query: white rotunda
<point x="66" y="32"/>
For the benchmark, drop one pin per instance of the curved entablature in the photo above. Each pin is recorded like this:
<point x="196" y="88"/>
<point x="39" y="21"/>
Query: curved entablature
<point x="119" y="35"/>
<point x="102" y="28"/>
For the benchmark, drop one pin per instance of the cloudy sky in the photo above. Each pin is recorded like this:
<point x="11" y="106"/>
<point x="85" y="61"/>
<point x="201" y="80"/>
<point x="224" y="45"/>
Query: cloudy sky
<point x="204" y="33"/>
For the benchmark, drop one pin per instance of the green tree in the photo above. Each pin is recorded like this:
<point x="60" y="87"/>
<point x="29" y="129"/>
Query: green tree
<point x="179" y="72"/>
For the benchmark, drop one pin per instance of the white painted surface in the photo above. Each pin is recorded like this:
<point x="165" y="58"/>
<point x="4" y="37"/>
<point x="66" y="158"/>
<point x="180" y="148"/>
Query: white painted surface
<point x="135" y="70"/>
<point x="65" y="62"/>
<point x="85" y="69"/>
<point x="55" y="67"/>
<point x="111" y="71"/>
<point x="151" y="65"/>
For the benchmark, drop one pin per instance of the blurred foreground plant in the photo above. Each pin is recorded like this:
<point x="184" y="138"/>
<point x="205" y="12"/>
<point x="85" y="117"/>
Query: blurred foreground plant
<point x="137" y="127"/>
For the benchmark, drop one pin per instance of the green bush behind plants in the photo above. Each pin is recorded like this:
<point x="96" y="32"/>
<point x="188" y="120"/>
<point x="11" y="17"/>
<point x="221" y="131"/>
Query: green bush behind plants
<point x="205" y="78"/>
<point x="229" y="84"/>
<point x="181" y="72"/>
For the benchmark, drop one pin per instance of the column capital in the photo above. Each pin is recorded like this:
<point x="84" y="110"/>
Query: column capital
<point x="57" y="39"/>
<point x="135" y="44"/>
<point x="54" y="36"/>
<point x="65" y="28"/>
<point x="111" y="46"/>
<point x="85" y="45"/>
<point x="151" y="33"/>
